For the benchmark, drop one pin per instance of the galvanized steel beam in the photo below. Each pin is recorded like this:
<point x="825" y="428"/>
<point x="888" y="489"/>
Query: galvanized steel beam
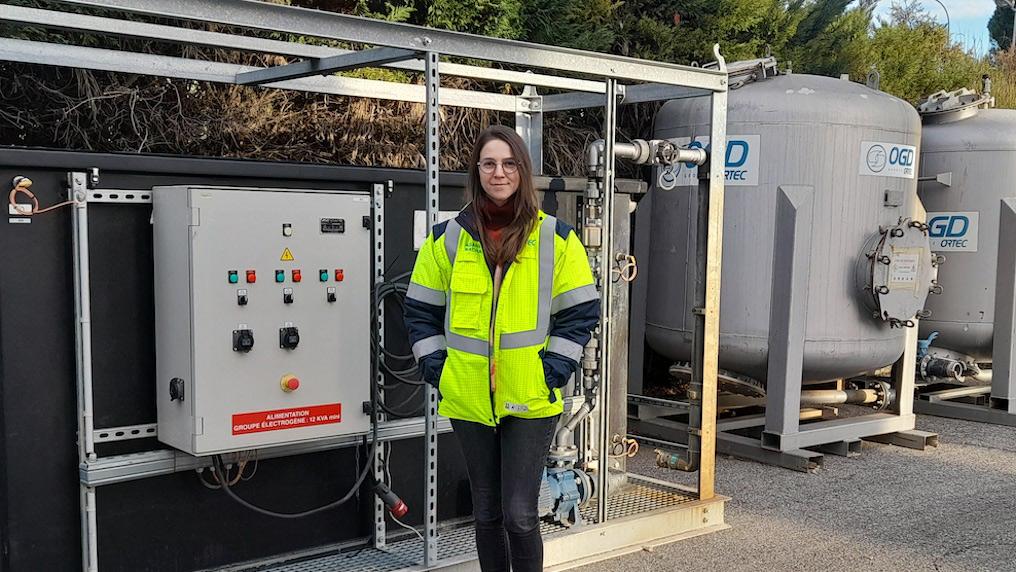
<point x="121" y="468"/>
<point x="25" y="51"/>
<point x="177" y="35"/>
<point x="638" y="93"/>
<point x="323" y="66"/>
<point x="307" y="22"/>
<point x="709" y="351"/>
<point x="432" y="80"/>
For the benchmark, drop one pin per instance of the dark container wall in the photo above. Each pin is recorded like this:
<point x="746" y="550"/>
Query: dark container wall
<point x="171" y="522"/>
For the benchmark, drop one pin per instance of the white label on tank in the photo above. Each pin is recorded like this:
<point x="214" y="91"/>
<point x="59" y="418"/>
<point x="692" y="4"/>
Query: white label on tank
<point x="953" y="231"/>
<point x="888" y="160"/>
<point x="421" y="229"/>
<point x="903" y="270"/>
<point x="741" y="162"/>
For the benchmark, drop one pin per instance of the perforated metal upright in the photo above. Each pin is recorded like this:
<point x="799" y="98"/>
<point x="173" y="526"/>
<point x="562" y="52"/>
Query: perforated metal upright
<point x="432" y="79"/>
<point x="378" y="241"/>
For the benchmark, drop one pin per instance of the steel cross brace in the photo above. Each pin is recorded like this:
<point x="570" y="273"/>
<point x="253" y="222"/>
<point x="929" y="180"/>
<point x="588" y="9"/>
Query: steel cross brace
<point x="326" y="65"/>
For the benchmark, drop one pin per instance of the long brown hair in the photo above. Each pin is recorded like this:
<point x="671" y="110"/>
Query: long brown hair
<point x="514" y="236"/>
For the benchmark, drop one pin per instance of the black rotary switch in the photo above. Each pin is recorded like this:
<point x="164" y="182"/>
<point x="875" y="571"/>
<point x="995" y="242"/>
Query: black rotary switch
<point x="289" y="337"/>
<point x="243" y="340"/>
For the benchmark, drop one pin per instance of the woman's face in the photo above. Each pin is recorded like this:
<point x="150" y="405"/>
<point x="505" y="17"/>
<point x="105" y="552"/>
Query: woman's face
<point x="503" y="179"/>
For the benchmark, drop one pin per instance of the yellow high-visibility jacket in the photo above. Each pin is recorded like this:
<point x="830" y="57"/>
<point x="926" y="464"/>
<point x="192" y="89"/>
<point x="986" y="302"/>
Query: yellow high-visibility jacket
<point x="531" y="337"/>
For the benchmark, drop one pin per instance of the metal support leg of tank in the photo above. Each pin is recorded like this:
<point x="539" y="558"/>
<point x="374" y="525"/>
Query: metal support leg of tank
<point x="904" y="373"/>
<point x="788" y="313"/>
<point x="1003" y="351"/>
<point x="851" y="448"/>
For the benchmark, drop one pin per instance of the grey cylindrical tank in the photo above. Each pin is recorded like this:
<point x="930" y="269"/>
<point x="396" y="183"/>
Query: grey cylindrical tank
<point x="787" y="130"/>
<point x="978" y="147"/>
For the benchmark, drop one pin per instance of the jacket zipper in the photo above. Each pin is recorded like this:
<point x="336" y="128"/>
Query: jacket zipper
<point x="491" y="364"/>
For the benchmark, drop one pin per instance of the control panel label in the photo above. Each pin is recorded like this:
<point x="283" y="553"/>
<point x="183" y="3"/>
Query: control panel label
<point x="953" y="231"/>
<point x="278" y="419"/>
<point x="903" y="270"/>
<point x="741" y="163"/>
<point x="888" y="160"/>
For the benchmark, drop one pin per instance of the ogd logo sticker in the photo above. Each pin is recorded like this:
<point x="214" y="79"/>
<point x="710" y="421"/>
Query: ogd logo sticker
<point x="953" y="231"/>
<point x="888" y="160"/>
<point x="741" y="162"/>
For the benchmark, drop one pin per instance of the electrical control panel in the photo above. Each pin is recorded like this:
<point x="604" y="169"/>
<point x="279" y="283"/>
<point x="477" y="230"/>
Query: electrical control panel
<point x="263" y="316"/>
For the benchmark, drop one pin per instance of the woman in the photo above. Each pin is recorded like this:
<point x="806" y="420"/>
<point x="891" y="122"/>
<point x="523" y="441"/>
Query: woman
<point x="499" y="307"/>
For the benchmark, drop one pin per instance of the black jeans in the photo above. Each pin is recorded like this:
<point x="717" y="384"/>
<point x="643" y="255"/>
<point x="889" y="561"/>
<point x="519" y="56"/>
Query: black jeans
<point x="504" y="466"/>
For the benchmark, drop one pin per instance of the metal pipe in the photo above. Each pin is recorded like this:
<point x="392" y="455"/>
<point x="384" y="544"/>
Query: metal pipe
<point x="811" y="397"/>
<point x="944" y="367"/>
<point x="606" y="248"/>
<point x="565" y="435"/>
<point x="641" y="151"/>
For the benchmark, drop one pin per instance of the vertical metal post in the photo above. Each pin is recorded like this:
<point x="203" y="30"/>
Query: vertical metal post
<point x="433" y="82"/>
<point x="90" y="548"/>
<point x="904" y="371"/>
<point x="378" y="243"/>
<point x="529" y="125"/>
<point x="603" y="332"/>
<point x="709" y="322"/>
<point x="77" y="190"/>
<point x="82" y="304"/>
<point x="788" y="312"/>
<point x="1003" y="352"/>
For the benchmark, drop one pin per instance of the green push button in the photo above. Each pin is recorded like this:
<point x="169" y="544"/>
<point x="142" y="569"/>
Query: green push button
<point x="233" y="277"/>
<point x="280" y="275"/>
<point x="323" y="273"/>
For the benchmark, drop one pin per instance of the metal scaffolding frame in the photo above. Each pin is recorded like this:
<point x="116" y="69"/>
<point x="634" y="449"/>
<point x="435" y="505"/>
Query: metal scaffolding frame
<point x="587" y="79"/>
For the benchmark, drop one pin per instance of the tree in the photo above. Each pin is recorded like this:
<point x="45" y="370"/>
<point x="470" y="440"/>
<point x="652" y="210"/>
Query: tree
<point x="916" y="58"/>
<point x="830" y="36"/>
<point x="1000" y="28"/>
<point x="909" y="13"/>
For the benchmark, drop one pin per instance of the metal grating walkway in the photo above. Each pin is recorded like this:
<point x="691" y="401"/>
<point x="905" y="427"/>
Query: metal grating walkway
<point x="639" y="496"/>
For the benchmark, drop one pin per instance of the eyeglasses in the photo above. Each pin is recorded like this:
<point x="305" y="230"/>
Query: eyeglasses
<point x="488" y="166"/>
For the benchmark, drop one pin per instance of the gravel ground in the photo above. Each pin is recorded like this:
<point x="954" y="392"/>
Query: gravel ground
<point x="947" y="509"/>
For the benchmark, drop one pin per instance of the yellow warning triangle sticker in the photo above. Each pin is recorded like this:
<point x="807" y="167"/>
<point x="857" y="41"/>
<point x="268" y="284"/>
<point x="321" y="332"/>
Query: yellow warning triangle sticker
<point x="287" y="255"/>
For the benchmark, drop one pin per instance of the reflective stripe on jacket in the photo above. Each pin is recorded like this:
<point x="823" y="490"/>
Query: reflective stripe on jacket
<point x="547" y="305"/>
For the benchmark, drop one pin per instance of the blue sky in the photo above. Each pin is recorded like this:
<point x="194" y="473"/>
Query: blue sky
<point x="968" y="19"/>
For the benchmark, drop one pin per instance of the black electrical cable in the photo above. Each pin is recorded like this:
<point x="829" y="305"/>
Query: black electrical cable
<point x="221" y="470"/>
<point x="393" y="409"/>
<point x="220" y="467"/>
<point x="411" y="374"/>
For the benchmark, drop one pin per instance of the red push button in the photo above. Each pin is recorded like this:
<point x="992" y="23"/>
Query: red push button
<point x="297" y="276"/>
<point x="339" y="275"/>
<point x="290" y="383"/>
<point x="252" y="277"/>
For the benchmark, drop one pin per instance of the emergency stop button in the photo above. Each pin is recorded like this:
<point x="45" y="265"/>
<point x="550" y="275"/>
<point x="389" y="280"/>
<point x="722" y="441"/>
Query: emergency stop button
<point x="290" y="383"/>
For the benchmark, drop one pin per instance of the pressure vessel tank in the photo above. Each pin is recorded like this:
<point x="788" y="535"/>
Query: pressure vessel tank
<point x="968" y="162"/>
<point x="870" y="268"/>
